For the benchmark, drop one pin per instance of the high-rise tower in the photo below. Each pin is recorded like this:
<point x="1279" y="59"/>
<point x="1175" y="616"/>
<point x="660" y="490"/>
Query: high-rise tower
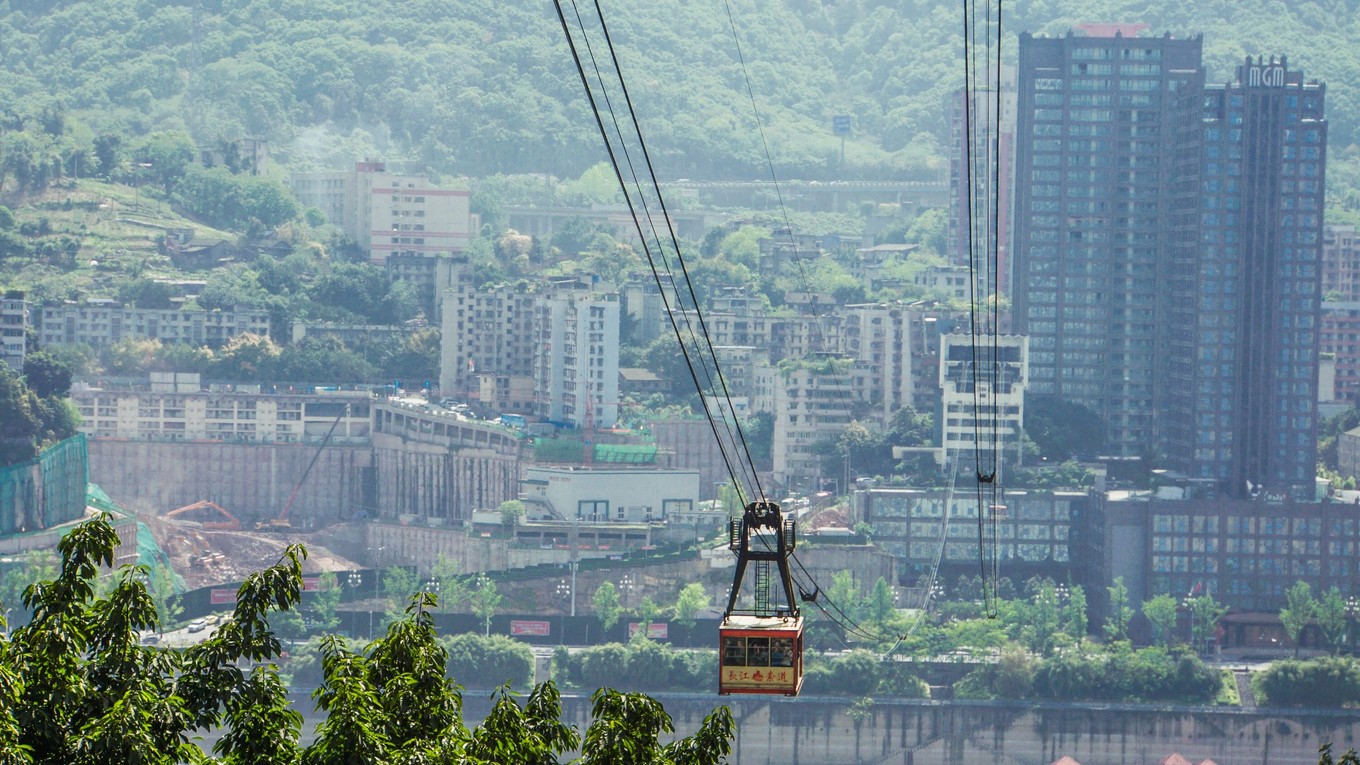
<point x="1241" y="387"/>
<point x="1167" y="252"/>
<point x="1092" y="212"/>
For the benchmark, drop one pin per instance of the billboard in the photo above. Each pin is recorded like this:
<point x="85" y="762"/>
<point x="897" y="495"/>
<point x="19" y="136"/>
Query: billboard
<point x="531" y="628"/>
<point x="655" y="631"/>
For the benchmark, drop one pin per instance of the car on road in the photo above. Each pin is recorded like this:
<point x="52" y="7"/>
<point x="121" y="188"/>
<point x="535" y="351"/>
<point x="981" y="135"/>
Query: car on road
<point x="198" y="625"/>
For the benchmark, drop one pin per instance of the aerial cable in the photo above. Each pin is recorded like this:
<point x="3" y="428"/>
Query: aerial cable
<point x="708" y="374"/>
<point x="613" y="160"/>
<point x="984" y="223"/>
<point x="679" y="255"/>
<point x="740" y="438"/>
<point x="820" y="335"/>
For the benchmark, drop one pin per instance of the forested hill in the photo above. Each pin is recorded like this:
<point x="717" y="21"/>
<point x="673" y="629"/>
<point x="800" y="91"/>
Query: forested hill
<point x="483" y="86"/>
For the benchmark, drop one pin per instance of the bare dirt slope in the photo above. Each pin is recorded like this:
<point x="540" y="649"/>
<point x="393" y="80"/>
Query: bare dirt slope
<point x="206" y="557"/>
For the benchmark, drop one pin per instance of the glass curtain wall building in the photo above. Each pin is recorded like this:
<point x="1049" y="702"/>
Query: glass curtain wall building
<point x="1167" y="245"/>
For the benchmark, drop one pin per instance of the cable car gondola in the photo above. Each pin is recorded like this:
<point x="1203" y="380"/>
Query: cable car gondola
<point x="760" y="650"/>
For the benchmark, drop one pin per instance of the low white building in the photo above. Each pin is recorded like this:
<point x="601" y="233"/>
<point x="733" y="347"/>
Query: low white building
<point x="609" y="495"/>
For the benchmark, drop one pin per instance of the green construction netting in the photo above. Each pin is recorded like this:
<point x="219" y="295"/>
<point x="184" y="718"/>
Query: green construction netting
<point x="631" y="454"/>
<point x="45" y="491"/>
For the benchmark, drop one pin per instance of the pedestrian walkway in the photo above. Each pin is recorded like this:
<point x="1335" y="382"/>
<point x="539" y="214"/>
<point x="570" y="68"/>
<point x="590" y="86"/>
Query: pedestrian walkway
<point x="1244" y="691"/>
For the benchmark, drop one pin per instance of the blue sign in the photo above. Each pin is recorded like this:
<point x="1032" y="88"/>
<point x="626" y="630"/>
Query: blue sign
<point x="840" y="124"/>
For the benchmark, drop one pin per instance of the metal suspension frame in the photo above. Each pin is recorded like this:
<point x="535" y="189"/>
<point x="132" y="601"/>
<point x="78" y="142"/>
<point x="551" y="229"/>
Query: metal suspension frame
<point x="764" y="514"/>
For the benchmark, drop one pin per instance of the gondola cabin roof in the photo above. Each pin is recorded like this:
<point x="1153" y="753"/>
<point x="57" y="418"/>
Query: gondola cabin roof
<point x="744" y="622"/>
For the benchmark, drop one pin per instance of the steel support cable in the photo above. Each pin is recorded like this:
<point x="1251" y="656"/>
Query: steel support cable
<point x="679" y="256"/>
<point x="984" y="222"/>
<point x="708" y="374"/>
<point x="613" y="160"/>
<point x="818" y="330"/>
<point x="998" y="491"/>
<point x="935" y="568"/>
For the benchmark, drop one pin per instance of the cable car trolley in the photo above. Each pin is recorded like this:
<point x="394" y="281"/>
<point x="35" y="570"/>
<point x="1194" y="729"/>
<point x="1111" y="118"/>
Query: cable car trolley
<point x="761" y="647"/>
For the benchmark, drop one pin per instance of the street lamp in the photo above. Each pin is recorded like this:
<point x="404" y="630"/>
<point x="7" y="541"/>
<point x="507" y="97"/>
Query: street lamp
<point x="563" y="590"/>
<point x="626" y="584"/>
<point x="355" y="581"/>
<point x="1189" y="605"/>
<point x="1352" y="611"/>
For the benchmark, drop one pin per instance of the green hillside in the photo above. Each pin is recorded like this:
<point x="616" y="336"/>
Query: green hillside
<point x="484" y="86"/>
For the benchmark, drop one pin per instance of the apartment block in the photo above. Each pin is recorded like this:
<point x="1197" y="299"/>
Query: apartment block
<point x="1340" y="263"/>
<point x="813" y="403"/>
<point x="13" y="328"/>
<point x="1093" y="171"/>
<point x="878" y="337"/>
<point x="486" y="331"/>
<point x="222" y="415"/>
<point x="102" y="323"/>
<point x="576" y="359"/>
<point x="1239" y="391"/>
<point x="1340" y="336"/>
<point x="387" y="213"/>
<point x="992" y="171"/>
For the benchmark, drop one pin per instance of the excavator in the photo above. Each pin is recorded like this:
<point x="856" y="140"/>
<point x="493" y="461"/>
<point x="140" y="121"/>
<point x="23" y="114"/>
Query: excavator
<point x="230" y="524"/>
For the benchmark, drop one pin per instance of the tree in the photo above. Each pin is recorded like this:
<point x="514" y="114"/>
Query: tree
<point x="490" y="662"/>
<point x="398" y="585"/>
<point x="1329" y="681"/>
<point x="1161" y="614"/>
<point x="1074" y="614"/>
<point x="692" y="599"/>
<point x="21" y="419"/>
<point x="1117" y="622"/>
<point x="450" y="582"/>
<point x="77" y="686"/>
<point x="882" y="607"/>
<point x="484" y="599"/>
<point x="1297" y="612"/>
<point x="606" y="603"/>
<point x="647" y="611"/>
<point x="320" y="604"/>
<point x="47" y="375"/>
<point x="165" y="156"/>
<point x="1204" y="615"/>
<point x="1044" y="623"/>
<point x="164" y="592"/>
<point x="511" y="511"/>
<point x="1325" y="756"/>
<point x="1331" y="618"/>
<point x="1062" y="429"/>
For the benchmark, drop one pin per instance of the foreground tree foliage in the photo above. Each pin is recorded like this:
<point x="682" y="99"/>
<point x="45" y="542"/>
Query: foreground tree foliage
<point x="77" y="686"/>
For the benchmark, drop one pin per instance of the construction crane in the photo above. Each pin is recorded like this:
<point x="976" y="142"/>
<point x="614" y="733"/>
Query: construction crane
<point x="281" y="523"/>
